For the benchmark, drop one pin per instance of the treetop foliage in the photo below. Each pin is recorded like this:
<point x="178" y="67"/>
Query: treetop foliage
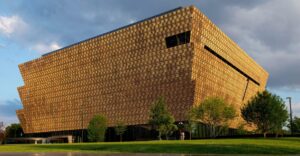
<point x="214" y="111"/>
<point x="97" y="128"/>
<point x="267" y="111"/>
<point x="159" y="115"/>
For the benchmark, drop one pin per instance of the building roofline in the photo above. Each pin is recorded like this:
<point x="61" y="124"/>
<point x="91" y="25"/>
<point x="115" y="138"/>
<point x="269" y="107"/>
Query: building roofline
<point x="143" y="20"/>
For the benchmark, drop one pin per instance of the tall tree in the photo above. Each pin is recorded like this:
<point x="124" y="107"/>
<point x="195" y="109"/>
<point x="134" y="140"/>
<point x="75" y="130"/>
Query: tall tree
<point x="295" y="125"/>
<point x="191" y="123"/>
<point x="13" y="131"/>
<point x="266" y="111"/>
<point x="161" y="119"/>
<point x="215" y="112"/>
<point x="97" y="128"/>
<point x="120" y="129"/>
<point x="167" y="129"/>
<point x="2" y="133"/>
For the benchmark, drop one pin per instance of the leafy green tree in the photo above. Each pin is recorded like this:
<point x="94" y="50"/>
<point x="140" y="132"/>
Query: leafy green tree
<point x="160" y="118"/>
<point x="167" y="130"/>
<point x="191" y="124"/>
<point x="13" y="131"/>
<point x="97" y="128"/>
<point x="215" y="112"/>
<point x="120" y="129"/>
<point x="2" y="133"/>
<point x="266" y="111"/>
<point x="2" y="137"/>
<point x="295" y="125"/>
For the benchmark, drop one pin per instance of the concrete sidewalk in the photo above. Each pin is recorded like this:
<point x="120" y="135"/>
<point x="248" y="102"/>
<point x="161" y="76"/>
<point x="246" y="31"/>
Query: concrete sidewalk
<point x="89" y="154"/>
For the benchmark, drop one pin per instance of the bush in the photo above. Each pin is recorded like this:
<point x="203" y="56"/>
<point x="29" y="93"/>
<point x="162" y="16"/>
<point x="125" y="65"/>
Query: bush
<point x="120" y="129"/>
<point x="97" y="128"/>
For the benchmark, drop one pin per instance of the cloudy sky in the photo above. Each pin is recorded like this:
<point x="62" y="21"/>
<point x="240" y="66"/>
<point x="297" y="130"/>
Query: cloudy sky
<point x="268" y="30"/>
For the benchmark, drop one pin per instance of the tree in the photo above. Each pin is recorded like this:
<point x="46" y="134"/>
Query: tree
<point x="295" y="125"/>
<point x="266" y="111"/>
<point x="167" y="129"/>
<point x="241" y="128"/>
<point x="160" y="118"/>
<point x="14" y="131"/>
<point x="97" y="128"/>
<point x="120" y="130"/>
<point x="215" y="112"/>
<point x="2" y="133"/>
<point x="191" y="124"/>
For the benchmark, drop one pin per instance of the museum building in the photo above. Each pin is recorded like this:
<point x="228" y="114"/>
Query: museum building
<point x="179" y="54"/>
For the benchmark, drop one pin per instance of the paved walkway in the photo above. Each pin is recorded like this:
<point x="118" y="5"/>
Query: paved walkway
<point x="88" y="154"/>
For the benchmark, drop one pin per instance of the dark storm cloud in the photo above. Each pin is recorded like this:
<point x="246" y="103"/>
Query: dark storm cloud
<point x="69" y="21"/>
<point x="73" y="20"/>
<point x="267" y="30"/>
<point x="269" y="33"/>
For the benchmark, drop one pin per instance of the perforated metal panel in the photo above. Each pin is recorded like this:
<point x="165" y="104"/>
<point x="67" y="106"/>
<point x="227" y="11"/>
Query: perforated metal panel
<point x="121" y="73"/>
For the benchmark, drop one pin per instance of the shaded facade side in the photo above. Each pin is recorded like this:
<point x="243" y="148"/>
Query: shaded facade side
<point x="221" y="68"/>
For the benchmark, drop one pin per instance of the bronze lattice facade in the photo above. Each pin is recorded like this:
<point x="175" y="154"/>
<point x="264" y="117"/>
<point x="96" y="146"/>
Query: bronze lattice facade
<point x="179" y="54"/>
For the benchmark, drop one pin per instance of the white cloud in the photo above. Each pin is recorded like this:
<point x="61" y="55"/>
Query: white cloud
<point x="296" y="109"/>
<point x="7" y="120"/>
<point x="12" y="24"/>
<point x="42" y="48"/>
<point x="15" y="29"/>
<point x="131" y="20"/>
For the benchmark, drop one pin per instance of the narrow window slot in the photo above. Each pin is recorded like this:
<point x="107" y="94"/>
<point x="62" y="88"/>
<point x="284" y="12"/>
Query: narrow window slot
<point x="230" y="64"/>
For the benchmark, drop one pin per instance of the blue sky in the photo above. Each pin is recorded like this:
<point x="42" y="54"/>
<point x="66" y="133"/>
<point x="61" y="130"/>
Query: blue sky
<point x="268" y="30"/>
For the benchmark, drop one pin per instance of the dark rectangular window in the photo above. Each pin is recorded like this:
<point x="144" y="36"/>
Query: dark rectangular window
<point x="171" y="41"/>
<point x="178" y="39"/>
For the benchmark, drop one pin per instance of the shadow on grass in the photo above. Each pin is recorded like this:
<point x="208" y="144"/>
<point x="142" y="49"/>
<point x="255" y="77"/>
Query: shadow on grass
<point x="297" y="140"/>
<point x="174" y="148"/>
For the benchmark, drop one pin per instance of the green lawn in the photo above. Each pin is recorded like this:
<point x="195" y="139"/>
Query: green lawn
<point x="205" y="146"/>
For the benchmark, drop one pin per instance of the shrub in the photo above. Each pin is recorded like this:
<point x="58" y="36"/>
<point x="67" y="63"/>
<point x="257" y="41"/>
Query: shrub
<point x="97" y="128"/>
<point x="120" y="129"/>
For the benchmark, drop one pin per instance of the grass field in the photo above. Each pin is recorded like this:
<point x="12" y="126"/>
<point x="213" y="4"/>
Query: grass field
<point x="206" y="146"/>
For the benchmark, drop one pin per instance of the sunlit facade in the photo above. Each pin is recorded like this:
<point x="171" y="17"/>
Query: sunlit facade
<point x="179" y="54"/>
